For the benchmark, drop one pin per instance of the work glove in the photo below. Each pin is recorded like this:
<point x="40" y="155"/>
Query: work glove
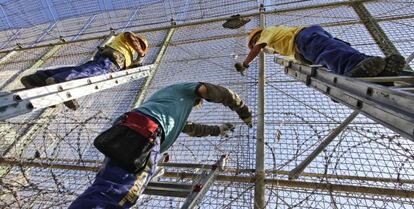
<point x="248" y="121"/>
<point x="245" y="114"/>
<point x="241" y="68"/>
<point x="225" y="128"/>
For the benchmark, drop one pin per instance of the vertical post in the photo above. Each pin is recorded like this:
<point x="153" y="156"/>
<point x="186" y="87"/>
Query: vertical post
<point x="144" y="88"/>
<point x="380" y="37"/>
<point x="259" y="193"/>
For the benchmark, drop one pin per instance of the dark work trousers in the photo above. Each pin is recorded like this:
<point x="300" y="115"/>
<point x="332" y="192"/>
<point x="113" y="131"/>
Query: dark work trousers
<point x="319" y="47"/>
<point x="116" y="188"/>
<point x="98" y="66"/>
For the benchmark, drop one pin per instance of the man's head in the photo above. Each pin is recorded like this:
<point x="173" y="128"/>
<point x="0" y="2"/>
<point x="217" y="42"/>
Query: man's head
<point x="253" y="37"/>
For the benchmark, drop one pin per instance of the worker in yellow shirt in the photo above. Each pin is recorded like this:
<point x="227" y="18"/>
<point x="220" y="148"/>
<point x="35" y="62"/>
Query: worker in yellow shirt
<point x="117" y="55"/>
<point x="313" y="45"/>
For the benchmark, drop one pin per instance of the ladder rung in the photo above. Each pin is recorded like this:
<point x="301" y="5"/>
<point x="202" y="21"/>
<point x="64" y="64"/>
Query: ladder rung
<point x="171" y="185"/>
<point x="168" y="189"/>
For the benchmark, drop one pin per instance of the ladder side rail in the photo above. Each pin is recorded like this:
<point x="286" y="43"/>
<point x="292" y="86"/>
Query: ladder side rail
<point x="386" y="106"/>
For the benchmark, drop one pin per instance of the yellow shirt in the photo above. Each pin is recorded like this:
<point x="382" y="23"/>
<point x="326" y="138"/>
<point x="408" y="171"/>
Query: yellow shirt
<point x="281" y="38"/>
<point x="120" y="44"/>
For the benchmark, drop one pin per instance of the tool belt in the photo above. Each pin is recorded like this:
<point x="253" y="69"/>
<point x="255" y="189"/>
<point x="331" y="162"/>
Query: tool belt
<point x="141" y="124"/>
<point x="129" y="142"/>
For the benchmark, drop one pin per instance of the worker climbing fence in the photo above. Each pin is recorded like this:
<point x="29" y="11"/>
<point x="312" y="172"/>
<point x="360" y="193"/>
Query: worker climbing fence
<point x="48" y="159"/>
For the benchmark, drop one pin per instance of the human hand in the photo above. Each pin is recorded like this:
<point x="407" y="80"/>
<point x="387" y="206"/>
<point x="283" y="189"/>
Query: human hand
<point x="248" y="121"/>
<point x="241" y="68"/>
<point x="246" y="115"/>
<point x="225" y="129"/>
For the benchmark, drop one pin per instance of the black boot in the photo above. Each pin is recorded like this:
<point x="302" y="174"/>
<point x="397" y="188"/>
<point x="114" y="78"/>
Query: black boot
<point x="32" y="81"/>
<point x="394" y="64"/>
<point x="369" y="67"/>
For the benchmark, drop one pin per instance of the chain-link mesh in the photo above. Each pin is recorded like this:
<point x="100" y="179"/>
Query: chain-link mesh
<point x="48" y="158"/>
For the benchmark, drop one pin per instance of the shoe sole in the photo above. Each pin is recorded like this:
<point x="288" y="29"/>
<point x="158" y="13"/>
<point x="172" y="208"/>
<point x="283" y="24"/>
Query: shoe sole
<point x="394" y="63"/>
<point x="365" y="69"/>
<point x="72" y="104"/>
<point x="31" y="81"/>
<point x="28" y="82"/>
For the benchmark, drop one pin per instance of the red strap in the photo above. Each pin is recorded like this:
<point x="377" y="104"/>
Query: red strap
<point x="141" y="124"/>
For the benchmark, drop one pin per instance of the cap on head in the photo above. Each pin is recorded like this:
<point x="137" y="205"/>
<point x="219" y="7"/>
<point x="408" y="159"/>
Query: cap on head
<point x="252" y="33"/>
<point x="144" y="42"/>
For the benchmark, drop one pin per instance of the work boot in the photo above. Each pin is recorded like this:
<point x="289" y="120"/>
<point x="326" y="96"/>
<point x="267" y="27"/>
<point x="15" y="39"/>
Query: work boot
<point x="394" y="63"/>
<point x="71" y="104"/>
<point x="369" y="67"/>
<point x="32" y="81"/>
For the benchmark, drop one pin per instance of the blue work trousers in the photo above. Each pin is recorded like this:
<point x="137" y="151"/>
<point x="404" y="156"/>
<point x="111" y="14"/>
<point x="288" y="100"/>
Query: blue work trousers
<point x="98" y="66"/>
<point x="116" y="188"/>
<point x="319" y="47"/>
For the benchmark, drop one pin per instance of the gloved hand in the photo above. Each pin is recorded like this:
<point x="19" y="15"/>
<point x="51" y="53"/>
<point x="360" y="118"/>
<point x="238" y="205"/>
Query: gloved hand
<point x="241" y="68"/>
<point x="248" y="121"/>
<point x="245" y="114"/>
<point x="225" y="128"/>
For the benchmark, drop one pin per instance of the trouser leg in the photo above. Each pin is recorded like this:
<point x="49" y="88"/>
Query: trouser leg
<point x="98" y="66"/>
<point x="117" y="188"/>
<point x="38" y="79"/>
<point x="320" y="47"/>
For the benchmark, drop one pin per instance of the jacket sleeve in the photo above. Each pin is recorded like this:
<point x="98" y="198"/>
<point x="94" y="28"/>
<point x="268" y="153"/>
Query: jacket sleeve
<point x="227" y="97"/>
<point x="199" y="130"/>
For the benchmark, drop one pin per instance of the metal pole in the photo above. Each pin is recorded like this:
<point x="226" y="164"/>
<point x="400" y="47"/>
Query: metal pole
<point x="303" y="185"/>
<point x="14" y="37"/>
<point x="6" y="57"/>
<point x="84" y="27"/>
<point x="240" y="179"/>
<point x="94" y="165"/>
<point x="259" y="192"/>
<point x="409" y="58"/>
<point x="294" y="174"/>
<point x="130" y="19"/>
<point x="144" y="88"/>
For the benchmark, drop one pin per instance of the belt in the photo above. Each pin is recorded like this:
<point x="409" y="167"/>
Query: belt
<point x="141" y="124"/>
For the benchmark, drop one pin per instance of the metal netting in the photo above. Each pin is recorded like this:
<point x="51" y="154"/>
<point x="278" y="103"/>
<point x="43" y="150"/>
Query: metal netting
<point x="48" y="158"/>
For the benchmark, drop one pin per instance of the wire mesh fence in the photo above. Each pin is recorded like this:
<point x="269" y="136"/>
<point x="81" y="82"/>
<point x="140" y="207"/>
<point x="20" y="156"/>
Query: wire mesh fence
<point x="48" y="158"/>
